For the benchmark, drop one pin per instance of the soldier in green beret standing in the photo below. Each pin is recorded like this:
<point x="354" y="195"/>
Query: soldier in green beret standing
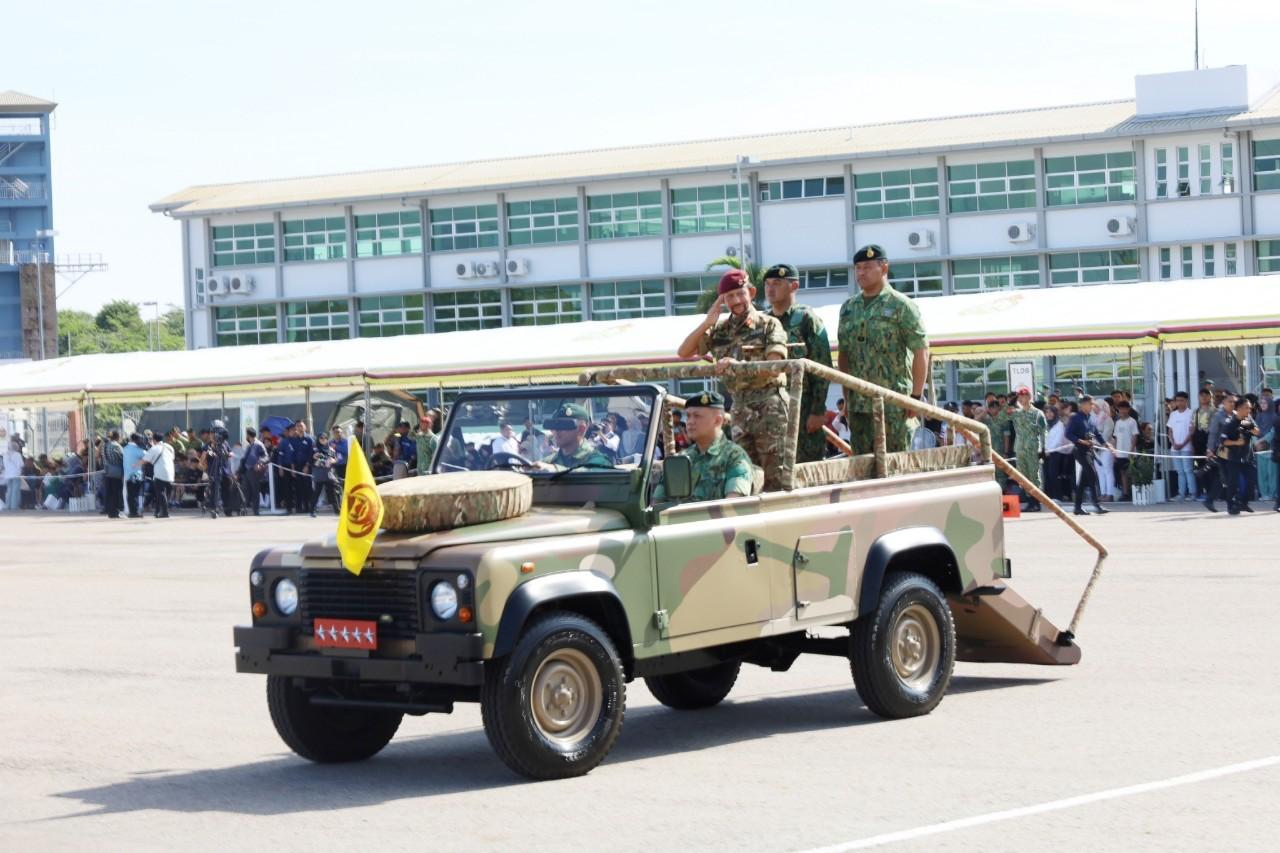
<point x="720" y="468"/>
<point x="804" y="327"/>
<point x="882" y="340"/>
<point x="759" y="403"/>
<point x="568" y="428"/>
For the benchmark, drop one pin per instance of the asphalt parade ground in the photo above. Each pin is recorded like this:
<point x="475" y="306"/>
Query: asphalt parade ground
<point x="127" y="728"/>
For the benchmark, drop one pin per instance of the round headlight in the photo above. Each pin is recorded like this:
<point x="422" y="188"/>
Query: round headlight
<point x="286" y="596"/>
<point x="444" y="600"/>
<point x="255" y="577"/>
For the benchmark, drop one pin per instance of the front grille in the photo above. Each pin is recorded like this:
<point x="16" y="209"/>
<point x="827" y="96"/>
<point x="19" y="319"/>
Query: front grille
<point x="375" y="594"/>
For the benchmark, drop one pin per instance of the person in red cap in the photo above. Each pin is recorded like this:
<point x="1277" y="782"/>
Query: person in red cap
<point x="1029" y="431"/>
<point x="759" y="409"/>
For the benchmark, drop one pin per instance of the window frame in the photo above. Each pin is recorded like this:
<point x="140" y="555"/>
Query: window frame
<point x="487" y="306"/>
<point x="377" y="234"/>
<point x="918" y="198"/>
<point x="651" y="299"/>
<point x="526" y="222"/>
<point x="547" y="303"/>
<point x="616" y="211"/>
<point x="987" y="268"/>
<point x="482" y="220"/>
<point x="831" y="187"/>
<point x="703" y="209"/>
<point x="301" y="239"/>
<point x="915" y="278"/>
<point x="258" y="320"/>
<point x="985" y="196"/>
<point x="261" y="236"/>
<point x="337" y="325"/>
<point x="1056" y="185"/>
<point x="375" y="305"/>
<point x="1111" y="267"/>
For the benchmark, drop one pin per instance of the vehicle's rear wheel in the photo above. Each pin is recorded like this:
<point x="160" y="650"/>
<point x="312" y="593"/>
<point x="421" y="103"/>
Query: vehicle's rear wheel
<point x="698" y="688"/>
<point x="327" y="734"/>
<point x="903" y="653"/>
<point x="554" y="707"/>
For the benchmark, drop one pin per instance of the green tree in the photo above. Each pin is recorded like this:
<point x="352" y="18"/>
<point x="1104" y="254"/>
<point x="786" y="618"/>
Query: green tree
<point x="118" y="327"/>
<point x="755" y="274"/>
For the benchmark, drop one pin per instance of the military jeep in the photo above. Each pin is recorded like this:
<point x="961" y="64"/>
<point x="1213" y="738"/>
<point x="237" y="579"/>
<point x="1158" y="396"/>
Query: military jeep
<point x="894" y="561"/>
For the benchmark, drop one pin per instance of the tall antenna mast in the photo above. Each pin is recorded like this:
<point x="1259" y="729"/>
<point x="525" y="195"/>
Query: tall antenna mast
<point x="1197" y="7"/>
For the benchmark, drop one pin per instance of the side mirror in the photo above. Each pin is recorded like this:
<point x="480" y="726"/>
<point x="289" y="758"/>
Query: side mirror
<point x="677" y="477"/>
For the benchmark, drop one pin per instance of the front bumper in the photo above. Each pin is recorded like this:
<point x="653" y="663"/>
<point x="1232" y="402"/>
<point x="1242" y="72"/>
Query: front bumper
<point x="452" y="659"/>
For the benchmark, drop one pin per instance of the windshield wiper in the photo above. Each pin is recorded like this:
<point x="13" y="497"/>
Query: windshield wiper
<point x="559" y="474"/>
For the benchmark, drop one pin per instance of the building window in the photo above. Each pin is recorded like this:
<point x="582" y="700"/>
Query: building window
<point x="1186" y="262"/>
<point x="536" y="223"/>
<point x="1067" y="268"/>
<point x="1206" y="169"/>
<point x="975" y="378"/>
<point x="1268" y="256"/>
<point x="1166" y="263"/>
<point x="623" y="300"/>
<point x="473" y="227"/>
<point x="1089" y="178"/>
<point x="1207" y="260"/>
<point x="1184" y="171"/>
<point x="317" y="320"/>
<point x="243" y="245"/>
<point x="1162" y="173"/>
<point x="686" y="291"/>
<point x="244" y="325"/>
<point x="200" y="291"/>
<point x="545" y="306"/>
<point x="709" y="209"/>
<point x="624" y="215"/>
<point x="896" y="194"/>
<point x="1266" y="164"/>
<point x="466" y="310"/>
<point x="1270" y="363"/>
<point x="384" y="234"/>
<point x="991" y="186"/>
<point x="819" y="279"/>
<point x="1228" y="168"/>
<point x="385" y="316"/>
<point x="1098" y="374"/>
<point x="801" y="188"/>
<point x="315" y="239"/>
<point x="1229" y="255"/>
<point x="979" y="274"/>
<point x="917" y="279"/>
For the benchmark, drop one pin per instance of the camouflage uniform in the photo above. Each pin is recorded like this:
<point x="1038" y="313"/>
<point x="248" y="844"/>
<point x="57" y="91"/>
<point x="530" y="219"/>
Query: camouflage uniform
<point x="999" y="426"/>
<point x="804" y="326"/>
<point x="427" y="443"/>
<point x="878" y="336"/>
<point x="1029" y="430"/>
<point x="759" y="402"/>
<point x="586" y="454"/>
<point x="723" y="468"/>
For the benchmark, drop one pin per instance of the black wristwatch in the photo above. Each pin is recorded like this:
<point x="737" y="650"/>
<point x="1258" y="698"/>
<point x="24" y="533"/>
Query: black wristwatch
<point x="919" y="397"/>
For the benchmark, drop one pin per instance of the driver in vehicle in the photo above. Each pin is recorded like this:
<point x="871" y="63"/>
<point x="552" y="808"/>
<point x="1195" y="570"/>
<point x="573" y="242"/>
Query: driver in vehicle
<point x="720" y="468"/>
<point x="568" y="428"/>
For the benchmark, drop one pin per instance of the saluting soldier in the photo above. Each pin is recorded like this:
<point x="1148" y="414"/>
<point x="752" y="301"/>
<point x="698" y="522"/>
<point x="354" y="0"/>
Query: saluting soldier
<point x="568" y="428"/>
<point x="882" y="340"/>
<point x="720" y="468"/>
<point x="803" y="327"/>
<point x="759" y="409"/>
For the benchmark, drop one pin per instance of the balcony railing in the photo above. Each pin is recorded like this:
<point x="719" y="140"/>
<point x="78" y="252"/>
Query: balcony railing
<point x="18" y="189"/>
<point x="20" y="127"/>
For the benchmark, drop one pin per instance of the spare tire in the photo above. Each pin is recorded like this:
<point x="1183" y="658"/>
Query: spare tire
<point x="456" y="499"/>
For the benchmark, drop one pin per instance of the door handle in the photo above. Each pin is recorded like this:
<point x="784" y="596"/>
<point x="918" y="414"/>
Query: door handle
<point x="753" y="552"/>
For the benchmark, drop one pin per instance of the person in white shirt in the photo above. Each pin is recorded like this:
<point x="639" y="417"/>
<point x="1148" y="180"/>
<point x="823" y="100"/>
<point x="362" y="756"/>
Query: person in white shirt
<point x="1125" y="439"/>
<point x="160" y="457"/>
<point x="11" y="471"/>
<point x="609" y="438"/>
<point x="1181" y="427"/>
<point x="505" y="442"/>
<point x="1059" y="469"/>
<point x="633" y="438"/>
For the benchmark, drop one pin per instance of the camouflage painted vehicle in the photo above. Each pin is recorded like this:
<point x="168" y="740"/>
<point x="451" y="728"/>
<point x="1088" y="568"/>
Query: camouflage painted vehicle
<point x="894" y="561"/>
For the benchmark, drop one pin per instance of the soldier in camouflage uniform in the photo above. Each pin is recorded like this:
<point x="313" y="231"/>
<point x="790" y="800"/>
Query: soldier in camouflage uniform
<point x="759" y="421"/>
<point x="1029" y="431"/>
<point x="882" y="340"/>
<point x="426" y="442"/>
<point x="720" y="468"/>
<point x="568" y="433"/>
<point x="807" y="337"/>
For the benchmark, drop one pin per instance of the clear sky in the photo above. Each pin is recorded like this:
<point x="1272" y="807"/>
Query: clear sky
<point x="155" y="96"/>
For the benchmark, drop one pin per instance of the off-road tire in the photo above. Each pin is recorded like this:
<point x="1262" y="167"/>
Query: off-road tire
<point x="588" y="661"/>
<point x="912" y="611"/>
<point x="327" y="735"/>
<point x="695" y="689"/>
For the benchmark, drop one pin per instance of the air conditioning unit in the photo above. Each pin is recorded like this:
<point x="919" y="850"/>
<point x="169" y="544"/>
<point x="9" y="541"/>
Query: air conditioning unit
<point x="1120" y="226"/>
<point x="922" y="239"/>
<point x="488" y="269"/>
<point x="240" y="283"/>
<point x="517" y="266"/>
<point x="732" y="250"/>
<point x="465" y="270"/>
<point x="215" y="285"/>
<point x="1021" y="232"/>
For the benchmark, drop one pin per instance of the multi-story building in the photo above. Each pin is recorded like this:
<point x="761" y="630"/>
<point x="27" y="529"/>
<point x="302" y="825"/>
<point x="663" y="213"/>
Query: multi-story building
<point x="1182" y="181"/>
<point x="26" y="222"/>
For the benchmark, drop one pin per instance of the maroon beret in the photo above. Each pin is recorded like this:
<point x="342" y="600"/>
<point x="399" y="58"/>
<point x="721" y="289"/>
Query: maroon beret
<point x="732" y="280"/>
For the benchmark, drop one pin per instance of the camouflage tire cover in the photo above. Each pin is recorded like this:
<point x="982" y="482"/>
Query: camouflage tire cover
<point x="456" y="499"/>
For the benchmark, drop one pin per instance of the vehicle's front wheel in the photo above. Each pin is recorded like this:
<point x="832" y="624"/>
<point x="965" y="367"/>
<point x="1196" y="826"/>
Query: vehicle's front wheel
<point x="698" y="688"/>
<point x="327" y="734"/>
<point x="554" y="707"/>
<point x="903" y="653"/>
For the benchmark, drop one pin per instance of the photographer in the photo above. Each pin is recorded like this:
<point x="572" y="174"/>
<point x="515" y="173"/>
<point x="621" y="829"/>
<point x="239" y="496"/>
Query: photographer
<point x="217" y="459"/>
<point x="253" y="465"/>
<point x="323" y="479"/>
<point x="1082" y="434"/>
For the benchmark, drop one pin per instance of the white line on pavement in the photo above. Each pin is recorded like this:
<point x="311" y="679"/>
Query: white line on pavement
<point x="1053" y="806"/>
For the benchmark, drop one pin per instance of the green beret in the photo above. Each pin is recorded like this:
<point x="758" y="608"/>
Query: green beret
<point x="870" y="253"/>
<point x="705" y="400"/>
<point x="782" y="271"/>
<point x="567" y="417"/>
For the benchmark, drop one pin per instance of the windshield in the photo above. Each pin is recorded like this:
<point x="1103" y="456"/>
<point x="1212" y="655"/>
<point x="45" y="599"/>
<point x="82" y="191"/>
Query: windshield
<point x="552" y="431"/>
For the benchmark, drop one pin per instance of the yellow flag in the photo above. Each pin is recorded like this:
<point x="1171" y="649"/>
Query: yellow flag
<point x="361" y="510"/>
